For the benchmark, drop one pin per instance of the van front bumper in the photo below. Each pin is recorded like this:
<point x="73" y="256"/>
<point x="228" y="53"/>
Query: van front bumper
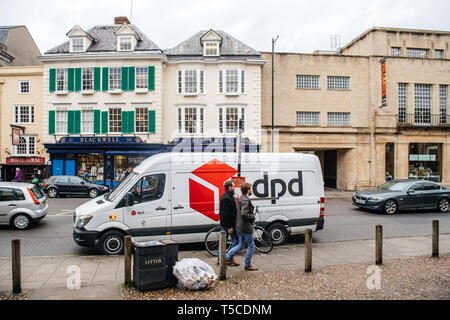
<point x="85" y="238"/>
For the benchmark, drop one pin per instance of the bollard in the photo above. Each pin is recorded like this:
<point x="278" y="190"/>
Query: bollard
<point x="223" y="259"/>
<point x="16" y="272"/>
<point x="308" y="250"/>
<point x="127" y="256"/>
<point x="435" y="251"/>
<point x="379" y="245"/>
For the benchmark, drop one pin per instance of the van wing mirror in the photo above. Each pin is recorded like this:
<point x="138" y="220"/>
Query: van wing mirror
<point x="129" y="199"/>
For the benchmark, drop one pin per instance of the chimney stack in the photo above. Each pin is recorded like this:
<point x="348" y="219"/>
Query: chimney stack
<point x="121" y="20"/>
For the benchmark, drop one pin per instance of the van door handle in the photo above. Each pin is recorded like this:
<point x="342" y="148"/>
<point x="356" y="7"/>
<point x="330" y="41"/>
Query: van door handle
<point x="178" y="207"/>
<point x="160" y="208"/>
<point x="12" y="205"/>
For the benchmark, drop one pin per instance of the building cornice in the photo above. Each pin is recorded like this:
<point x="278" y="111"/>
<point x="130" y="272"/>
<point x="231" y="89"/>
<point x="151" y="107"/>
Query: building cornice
<point x="103" y="56"/>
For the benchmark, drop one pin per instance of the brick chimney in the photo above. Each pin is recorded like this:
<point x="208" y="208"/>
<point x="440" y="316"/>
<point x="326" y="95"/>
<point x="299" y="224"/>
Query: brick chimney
<point x="121" y="20"/>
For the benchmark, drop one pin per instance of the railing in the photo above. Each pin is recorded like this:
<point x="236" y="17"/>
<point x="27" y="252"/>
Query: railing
<point x="423" y="120"/>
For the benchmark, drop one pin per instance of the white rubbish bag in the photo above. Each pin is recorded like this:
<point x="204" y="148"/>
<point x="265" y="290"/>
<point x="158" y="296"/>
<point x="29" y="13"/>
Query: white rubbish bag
<point x="194" y="274"/>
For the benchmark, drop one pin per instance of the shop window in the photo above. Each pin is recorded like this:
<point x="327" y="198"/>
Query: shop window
<point x="93" y="163"/>
<point x="389" y="161"/>
<point x="124" y="164"/>
<point x="425" y="161"/>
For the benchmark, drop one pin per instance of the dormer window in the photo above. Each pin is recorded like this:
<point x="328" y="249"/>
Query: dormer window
<point x="124" y="43"/>
<point x="77" y="44"/>
<point x="211" y="48"/>
<point x="79" y="39"/>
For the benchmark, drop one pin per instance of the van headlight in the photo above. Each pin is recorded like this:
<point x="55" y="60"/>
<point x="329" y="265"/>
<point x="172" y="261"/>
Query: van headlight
<point x="83" y="220"/>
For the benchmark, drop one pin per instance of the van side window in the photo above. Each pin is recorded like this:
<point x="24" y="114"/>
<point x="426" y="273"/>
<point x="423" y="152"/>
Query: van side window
<point x="149" y="188"/>
<point x="153" y="187"/>
<point x="7" y="194"/>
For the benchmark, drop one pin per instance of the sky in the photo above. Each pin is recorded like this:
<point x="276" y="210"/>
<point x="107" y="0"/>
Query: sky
<point x="302" y="26"/>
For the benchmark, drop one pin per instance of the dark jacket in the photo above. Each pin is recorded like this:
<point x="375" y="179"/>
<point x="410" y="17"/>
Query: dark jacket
<point x="227" y="211"/>
<point x="245" y="216"/>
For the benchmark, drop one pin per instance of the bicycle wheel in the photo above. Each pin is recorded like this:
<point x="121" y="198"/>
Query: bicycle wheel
<point x="263" y="240"/>
<point x="212" y="241"/>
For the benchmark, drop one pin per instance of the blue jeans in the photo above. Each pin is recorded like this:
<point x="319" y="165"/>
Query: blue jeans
<point x="245" y="239"/>
<point x="234" y="236"/>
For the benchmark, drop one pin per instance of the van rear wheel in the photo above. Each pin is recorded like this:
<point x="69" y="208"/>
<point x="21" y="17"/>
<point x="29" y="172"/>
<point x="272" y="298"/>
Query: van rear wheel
<point x="279" y="233"/>
<point x="111" y="243"/>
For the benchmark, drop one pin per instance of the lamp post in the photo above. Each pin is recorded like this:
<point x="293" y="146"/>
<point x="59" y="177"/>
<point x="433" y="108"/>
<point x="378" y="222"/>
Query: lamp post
<point x="273" y="71"/>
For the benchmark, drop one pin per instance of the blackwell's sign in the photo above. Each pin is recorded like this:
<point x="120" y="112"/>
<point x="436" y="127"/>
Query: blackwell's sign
<point x="100" y="140"/>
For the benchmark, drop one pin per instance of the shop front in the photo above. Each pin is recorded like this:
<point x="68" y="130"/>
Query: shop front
<point x="425" y="161"/>
<point x="106" y="160"/>
<point x="30" y="167"/>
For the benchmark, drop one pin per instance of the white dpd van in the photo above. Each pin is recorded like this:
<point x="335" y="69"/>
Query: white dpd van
<point x="176" y="196"/>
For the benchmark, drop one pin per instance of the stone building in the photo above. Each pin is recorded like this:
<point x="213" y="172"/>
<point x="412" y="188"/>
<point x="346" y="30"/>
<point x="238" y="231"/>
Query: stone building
<point x="20" y="105"/>
<point x="375" y="110"/>
<point x="103" y="101"/>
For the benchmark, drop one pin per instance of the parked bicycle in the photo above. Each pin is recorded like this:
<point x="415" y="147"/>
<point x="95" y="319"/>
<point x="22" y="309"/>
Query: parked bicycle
<point x="263" y="241"/>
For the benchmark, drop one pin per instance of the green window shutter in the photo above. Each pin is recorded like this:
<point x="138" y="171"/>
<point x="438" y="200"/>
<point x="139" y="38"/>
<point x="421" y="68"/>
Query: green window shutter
<point x="71" y="80"/>
<point x="78" y="79"/>
<point x="51" y="122"/>
<point x="105" y="79"/>
<point x="124" y="122"/>
<point x="131" y="77"/>
<point x="104" y="121"/>
<point x="52" y="80"/>
<point x="97" y="79"/>
<point x="151" y="78"/>
<point x="96" y="121"/>
<point x="70" y="122"/>
<point x="124" y="79"/>
<point x="77" y="122"/>
<point x="130" y="121"/>
<point x="151" y="121"/>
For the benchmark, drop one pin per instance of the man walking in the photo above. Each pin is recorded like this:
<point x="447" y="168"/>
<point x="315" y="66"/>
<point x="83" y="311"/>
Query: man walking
<point x="246" y="225"/>
<point x="228" y="212"/>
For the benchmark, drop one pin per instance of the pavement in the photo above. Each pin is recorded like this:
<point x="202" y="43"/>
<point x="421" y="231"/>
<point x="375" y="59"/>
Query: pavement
<point x="47" y="278"/>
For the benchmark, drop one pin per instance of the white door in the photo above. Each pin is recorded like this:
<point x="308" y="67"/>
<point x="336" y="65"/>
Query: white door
<point x="150" y="213"/>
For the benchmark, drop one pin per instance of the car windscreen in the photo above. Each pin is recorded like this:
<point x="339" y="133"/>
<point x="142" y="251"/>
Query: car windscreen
<point x="395" y="185"/>
<point x="123" y="185"/>
<point x="38" y="192"/>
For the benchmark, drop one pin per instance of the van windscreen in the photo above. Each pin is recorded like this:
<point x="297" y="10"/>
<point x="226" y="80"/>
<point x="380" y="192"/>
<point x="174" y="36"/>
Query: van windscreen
<point x="124" y="184"/>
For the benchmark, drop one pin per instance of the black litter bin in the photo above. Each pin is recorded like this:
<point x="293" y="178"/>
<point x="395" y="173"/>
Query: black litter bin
<point x="153" y="263"/>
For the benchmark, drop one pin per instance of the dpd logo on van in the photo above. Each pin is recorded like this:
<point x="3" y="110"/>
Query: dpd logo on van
<point x="201" y="198"/>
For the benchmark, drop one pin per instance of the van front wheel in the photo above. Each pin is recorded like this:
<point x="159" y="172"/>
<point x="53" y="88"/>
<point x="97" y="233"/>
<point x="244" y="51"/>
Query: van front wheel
<point x="279" y="233"/>
<point x="111" y="243"/>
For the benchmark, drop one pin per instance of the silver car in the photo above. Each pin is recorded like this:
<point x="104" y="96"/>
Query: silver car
<point x="21" y="204"/>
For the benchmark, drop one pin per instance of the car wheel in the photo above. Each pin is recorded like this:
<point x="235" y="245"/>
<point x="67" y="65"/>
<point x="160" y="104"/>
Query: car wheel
<point x="279" y="233"/>
<point x="93" y="193"/>
<point x="52" y="193"/>
<point x="21" y="221"/>
<point x="111" y="243"/>
<point x="444" y="205"/>
<point x="390" y="207"/>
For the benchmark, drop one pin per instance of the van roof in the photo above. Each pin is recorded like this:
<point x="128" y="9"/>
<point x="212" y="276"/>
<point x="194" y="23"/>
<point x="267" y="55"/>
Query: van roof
<point x="232" y="157"/>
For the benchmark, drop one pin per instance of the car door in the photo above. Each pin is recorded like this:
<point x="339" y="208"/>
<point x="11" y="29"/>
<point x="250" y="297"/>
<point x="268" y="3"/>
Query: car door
<point x="7" y="204"/>
<point x="415" y="197"/>
<point x="78" y="185"/>
<point x="63" y="184"/>
<point x="150" y="213"/>
<point x="431" y="194"/>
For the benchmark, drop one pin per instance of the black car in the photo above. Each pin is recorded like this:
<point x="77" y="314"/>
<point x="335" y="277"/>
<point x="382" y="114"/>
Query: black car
<point x="404" y="195"/>
<point x="72" y="185"/>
